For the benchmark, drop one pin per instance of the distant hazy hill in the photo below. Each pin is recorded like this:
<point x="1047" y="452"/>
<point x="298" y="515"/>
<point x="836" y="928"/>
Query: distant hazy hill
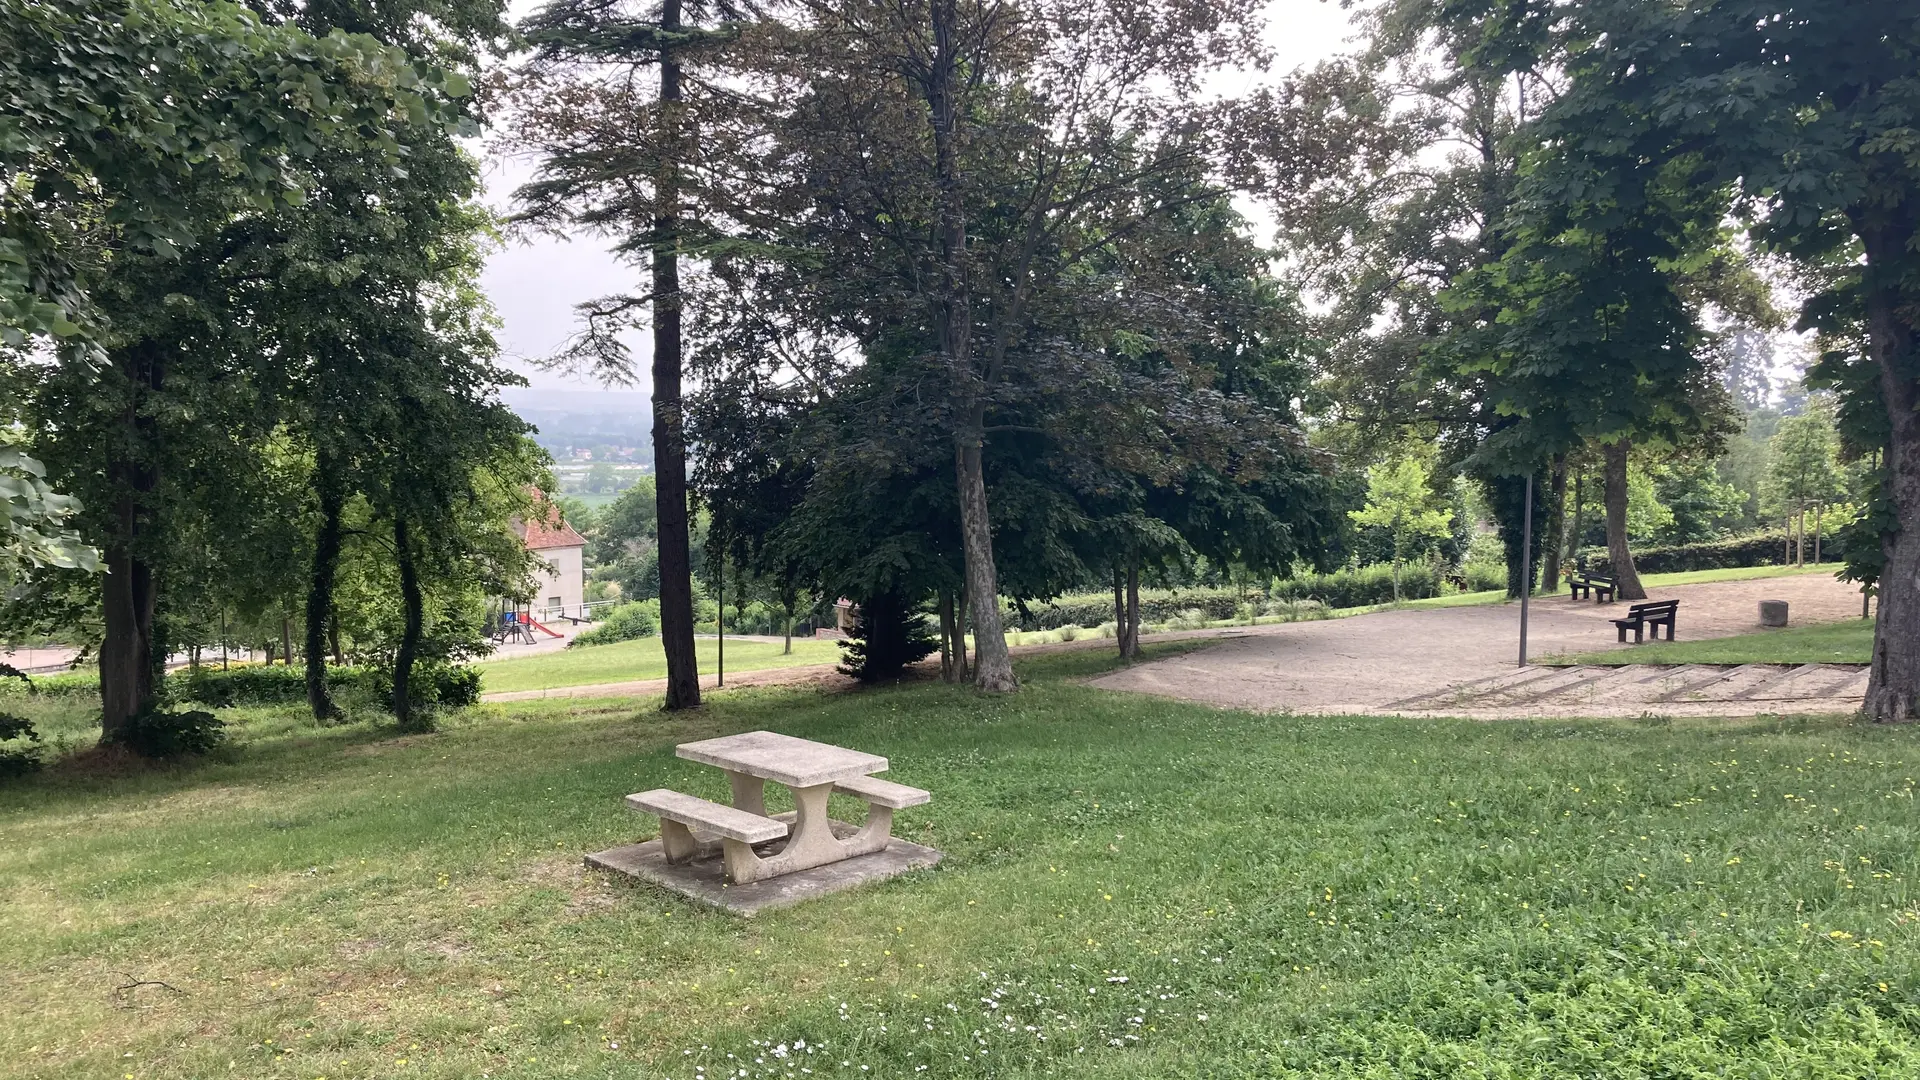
<point x="570" y="420"/>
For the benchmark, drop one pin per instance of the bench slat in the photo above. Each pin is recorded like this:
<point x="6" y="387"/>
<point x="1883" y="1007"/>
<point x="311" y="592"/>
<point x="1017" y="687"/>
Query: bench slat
<point x="883" y="792"/>
<point x="692" y="810"/>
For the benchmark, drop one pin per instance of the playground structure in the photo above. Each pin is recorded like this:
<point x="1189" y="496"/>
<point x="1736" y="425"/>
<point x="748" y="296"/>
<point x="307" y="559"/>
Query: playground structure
<point x="517" y="622"/>
<point x="511" y="622"/>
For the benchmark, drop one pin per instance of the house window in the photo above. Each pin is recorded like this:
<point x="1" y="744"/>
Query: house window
<point x="553" y="603"/>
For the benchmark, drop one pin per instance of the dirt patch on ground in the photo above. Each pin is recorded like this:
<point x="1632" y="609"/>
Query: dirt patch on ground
<point x="1373" y="663"/>
<point x="587" y="892"/>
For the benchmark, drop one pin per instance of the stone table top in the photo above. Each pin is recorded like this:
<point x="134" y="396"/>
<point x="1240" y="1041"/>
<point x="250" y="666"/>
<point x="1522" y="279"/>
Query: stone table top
<point x="782" y="759"/>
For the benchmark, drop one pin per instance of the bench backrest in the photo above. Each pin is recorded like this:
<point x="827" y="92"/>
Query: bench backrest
<point x="1655" y="608"/>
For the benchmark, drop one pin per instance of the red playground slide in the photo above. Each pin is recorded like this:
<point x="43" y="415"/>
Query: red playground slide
<point x="537" y="626"/>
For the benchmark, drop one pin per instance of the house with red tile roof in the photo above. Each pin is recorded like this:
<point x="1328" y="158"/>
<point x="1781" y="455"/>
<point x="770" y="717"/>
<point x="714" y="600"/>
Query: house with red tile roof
<point x="560" y="584"/>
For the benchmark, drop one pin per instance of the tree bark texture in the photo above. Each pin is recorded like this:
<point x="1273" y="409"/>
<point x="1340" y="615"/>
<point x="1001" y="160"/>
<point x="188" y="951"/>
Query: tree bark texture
<point x="129" y="592"/>
<point x="949" y="632"/>
<point x="669" y="422"/>
<point x="1131" y="650"/>
<point x="1893" y="689"/>
<point x="414" y="611"/>
<point x="992" y="665"/>
<point x="1120" y="611"/>
<point x="1579" y="533"/>
<point x="1551" y="544"/>
<point x="1626" y="579"/>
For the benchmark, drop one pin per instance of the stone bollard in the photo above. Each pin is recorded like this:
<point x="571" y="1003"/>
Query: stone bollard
<point x="1773" y="613"/>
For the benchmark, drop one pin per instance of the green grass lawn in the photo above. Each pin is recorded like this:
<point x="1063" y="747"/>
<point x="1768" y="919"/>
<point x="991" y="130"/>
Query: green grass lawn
<point x="1734" y="573"/>
<point x="1133" y="888"/>
<point x="1849" y="642"/>
<point x="642" y="659"/>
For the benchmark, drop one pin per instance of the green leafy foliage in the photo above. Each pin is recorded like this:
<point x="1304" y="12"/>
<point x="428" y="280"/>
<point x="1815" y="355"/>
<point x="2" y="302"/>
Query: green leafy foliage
<point x="133" y="117"/>
<point x="1549" y="1007"/>
<point x="1758" y="549"/>
<point x="888" y="634"/>
<point x="160" y="734"/>
<point x="433" y="684"/>
<point x="34" y="521"/>
<point x="1363" y="586"/>
<point x="624" y="622"/>
<point x="266" y="684"/>
<point x="19" y="746"/>
<point x="1400" y="501"/>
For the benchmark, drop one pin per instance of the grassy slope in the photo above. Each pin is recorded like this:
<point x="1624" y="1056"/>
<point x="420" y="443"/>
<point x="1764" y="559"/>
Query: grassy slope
<point x="1137" y="888"/>
<point x="1848" y="642"/>
<point x="642" y="659"/>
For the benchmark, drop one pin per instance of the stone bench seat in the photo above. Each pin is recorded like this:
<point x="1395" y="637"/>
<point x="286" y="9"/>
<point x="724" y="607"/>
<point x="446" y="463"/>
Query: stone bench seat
<point x="885" y="793"/>
<point x="723" y="821"/>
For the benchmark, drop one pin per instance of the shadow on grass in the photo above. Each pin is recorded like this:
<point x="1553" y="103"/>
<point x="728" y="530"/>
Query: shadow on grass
<point x="284" y="744"/>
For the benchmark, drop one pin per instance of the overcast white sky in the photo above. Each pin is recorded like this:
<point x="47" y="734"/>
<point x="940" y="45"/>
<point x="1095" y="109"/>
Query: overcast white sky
<point x="535" y="284"/>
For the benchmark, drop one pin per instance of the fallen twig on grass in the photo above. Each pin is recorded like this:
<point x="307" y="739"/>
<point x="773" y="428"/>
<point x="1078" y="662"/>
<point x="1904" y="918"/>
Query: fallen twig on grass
<point x="124" y="992"/>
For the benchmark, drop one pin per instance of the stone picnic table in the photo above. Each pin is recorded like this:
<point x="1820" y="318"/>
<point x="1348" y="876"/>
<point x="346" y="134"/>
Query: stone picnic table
<point x="812" y="771"/>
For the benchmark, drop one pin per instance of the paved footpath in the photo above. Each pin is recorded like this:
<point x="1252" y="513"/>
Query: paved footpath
<point x="1462" y="661"/>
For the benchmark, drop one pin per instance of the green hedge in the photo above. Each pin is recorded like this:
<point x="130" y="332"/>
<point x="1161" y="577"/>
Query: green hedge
<point x="67" y="684"/>
<point x="441" y="684"/>
<point x="638" y="619"/>
<point x="1156" y="605"/>
<point x="273" y="684"/>
<point x="1355" y="587"/>
<point x="1362" y="586"/>
<point x="1759" y="549"/>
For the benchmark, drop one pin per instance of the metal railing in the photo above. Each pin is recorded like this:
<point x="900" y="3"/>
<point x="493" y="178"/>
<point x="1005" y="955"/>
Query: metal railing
<point x="575" y="613"/>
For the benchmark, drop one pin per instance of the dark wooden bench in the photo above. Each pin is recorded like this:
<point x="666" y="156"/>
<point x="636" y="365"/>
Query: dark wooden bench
<point x="1599" y="586"/>
<point x="1654" y="614"/>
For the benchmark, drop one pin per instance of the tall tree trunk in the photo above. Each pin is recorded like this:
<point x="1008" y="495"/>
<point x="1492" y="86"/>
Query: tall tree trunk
<point x="945" y="602"/>
<point x="127" y="596"/>
<point x="1133" y="613"/>
<point x="129" y="591"/>
<point x="1579" y="534"/>
<point x="1556" y="528"/>
<point x="413" y="610"/>
<point x="1819" y="510"/>
<point x="1893" y="689"/>
<point x="962" y="671"/>
<point x="286" y="639"/>
<point x="993" y="667"/>
<point x="333" y="636"/>
<point x="669" y="423"/>
<point x="1120" y="611"/>
<point x="1626" y="579"/>
<point x="329" y="486"/>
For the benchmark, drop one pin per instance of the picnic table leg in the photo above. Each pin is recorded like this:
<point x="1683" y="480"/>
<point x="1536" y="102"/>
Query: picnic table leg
<point x="811" y="842"/>
<point x="749" y="792"/>
<point x="677" y="842"/>
<point x="873" y="836"/>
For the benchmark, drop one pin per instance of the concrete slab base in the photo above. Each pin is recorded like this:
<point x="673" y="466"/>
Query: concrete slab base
<point x="703" y="879"/>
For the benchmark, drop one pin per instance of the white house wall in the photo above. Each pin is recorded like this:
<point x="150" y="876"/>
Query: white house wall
<point x="564" y="579"/>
